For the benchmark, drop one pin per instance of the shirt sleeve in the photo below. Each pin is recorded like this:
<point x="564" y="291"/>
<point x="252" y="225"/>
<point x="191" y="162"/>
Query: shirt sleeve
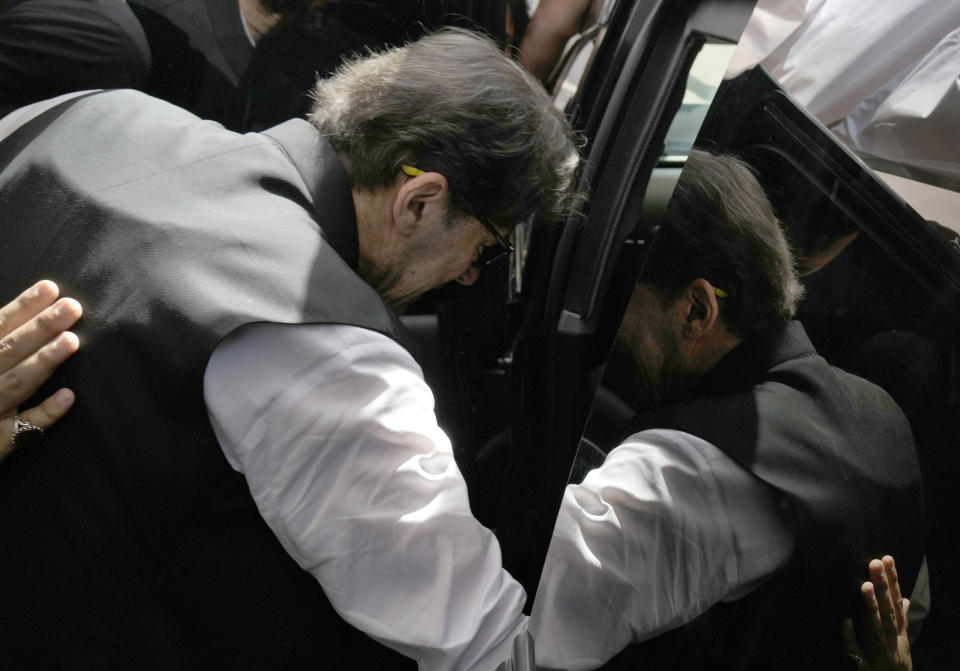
<point x="334" y="429"/>
<point x="664" y="529"/>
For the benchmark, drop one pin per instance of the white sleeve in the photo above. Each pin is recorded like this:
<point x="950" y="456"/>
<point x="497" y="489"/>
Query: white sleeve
<point x="832" y="55"/>
<point x="664" y="529"/>
<point x="333" y="428"/>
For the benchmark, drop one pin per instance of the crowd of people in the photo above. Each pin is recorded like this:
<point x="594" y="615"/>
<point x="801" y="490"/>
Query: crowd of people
<point x="241" y="465"/>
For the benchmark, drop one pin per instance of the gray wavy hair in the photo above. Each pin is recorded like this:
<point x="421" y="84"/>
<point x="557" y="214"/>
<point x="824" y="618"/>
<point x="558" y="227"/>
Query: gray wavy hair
<point x="453" y="103"/>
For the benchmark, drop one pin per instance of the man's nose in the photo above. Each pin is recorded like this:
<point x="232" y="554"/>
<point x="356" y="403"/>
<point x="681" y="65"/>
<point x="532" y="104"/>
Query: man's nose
<point x="469" y="276"/>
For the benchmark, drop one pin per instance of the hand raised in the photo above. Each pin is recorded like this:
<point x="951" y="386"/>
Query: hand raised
<point x="884" y="622"/>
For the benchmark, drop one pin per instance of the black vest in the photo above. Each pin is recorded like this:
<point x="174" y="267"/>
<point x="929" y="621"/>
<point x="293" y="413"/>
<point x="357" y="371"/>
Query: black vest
<point x="841" y="454"/>
<point x="129" y="542"/>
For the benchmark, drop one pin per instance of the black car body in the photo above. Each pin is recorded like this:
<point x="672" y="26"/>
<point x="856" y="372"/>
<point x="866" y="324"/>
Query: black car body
<point x="519" y="359"/>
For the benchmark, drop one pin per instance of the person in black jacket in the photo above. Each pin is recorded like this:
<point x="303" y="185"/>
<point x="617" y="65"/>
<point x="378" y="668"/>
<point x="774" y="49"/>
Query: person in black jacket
<point x="248" y="65"/>
<point x="49" y="47"/>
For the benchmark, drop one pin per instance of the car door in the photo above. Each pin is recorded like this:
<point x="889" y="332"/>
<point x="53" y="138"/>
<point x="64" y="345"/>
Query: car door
<point x="882" y="294"/>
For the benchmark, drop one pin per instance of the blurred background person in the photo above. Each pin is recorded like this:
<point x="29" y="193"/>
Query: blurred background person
<point x="248" y="64"/>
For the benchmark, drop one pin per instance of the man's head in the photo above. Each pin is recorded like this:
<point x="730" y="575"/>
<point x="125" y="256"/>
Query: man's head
<point x="482" y="136"/>
<point x="719" y="270"/>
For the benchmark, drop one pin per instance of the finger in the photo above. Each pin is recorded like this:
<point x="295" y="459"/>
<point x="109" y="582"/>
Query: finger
<point x="19" y="383"/>
<point x="37" y="331"/>
<point x="53" y="408"/>
<point x="888" y="618"/>
<point x="890" y="569"/>
<point x="27" y="305"/>
<point x="874" y="640"/>
<point x="44" y="415"/>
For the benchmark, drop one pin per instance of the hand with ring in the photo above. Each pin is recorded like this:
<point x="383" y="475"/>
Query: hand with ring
<point x="33" y="341"/>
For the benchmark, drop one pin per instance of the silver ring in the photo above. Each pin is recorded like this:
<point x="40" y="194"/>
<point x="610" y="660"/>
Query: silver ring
<point x="24" y="432"/>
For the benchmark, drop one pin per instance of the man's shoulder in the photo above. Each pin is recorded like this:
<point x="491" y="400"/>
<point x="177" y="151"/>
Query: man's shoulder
<point x="142" y="119"/>
<point x="116" y="139"/>
<point x="807" y="374"/>
<point x="129" y="119"/>
<point x="132" y="104"/>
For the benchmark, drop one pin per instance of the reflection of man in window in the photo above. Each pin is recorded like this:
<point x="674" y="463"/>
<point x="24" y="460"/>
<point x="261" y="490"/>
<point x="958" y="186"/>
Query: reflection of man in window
<point x="756" y="469"/>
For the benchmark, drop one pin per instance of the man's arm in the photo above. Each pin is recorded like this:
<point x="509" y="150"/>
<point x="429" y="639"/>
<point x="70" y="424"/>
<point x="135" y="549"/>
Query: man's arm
<point x="333" y="428"/>
<point x="33" y="341"/>
<point x="664" y="529"/>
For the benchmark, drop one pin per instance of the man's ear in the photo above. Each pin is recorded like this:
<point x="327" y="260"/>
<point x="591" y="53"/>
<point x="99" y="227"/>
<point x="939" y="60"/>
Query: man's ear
<point x="701" y="309"/>
<point x="420" y="200"/>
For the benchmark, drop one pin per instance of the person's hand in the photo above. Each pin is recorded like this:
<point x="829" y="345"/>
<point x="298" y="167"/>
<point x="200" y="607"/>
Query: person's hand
<point x="884" y="627"/>
<point x="33" y="341"/>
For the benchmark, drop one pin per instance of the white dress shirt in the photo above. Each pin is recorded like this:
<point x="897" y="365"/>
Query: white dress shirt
<point x="334" y="430"/>
<point x="667" y="527"/>
<point x="883" y="75"/>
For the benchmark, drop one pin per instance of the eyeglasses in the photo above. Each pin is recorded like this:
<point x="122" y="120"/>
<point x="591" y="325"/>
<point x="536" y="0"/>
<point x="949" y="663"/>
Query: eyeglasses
<point x="490" y="253"/>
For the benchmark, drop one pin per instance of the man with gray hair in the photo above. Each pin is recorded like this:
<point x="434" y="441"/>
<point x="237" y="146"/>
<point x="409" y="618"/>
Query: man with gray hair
<point x="255" y="472"/>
